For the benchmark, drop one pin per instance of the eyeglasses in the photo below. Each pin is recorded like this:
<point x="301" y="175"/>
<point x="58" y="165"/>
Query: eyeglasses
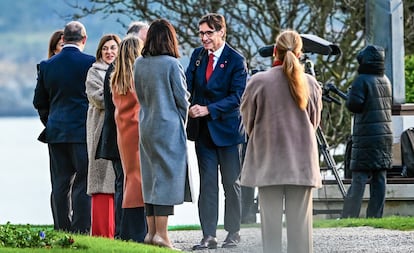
<point x="208" y="33"/>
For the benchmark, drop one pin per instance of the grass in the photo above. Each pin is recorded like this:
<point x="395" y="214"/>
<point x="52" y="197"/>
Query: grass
<point x="390" y="222"/>
<point x="89" y="244"/>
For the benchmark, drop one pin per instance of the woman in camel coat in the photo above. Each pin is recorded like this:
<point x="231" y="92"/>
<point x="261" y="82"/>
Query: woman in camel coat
<point x="281" y="110"/>
<point x="133" y="225"/>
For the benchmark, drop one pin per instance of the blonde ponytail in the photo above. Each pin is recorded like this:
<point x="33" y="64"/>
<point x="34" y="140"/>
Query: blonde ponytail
<point x="288" y="50"/>
<point x="122" y="78"/>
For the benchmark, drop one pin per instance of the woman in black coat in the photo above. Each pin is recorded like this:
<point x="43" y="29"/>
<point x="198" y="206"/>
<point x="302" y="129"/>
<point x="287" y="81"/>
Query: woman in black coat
<point x="370" y="99"/>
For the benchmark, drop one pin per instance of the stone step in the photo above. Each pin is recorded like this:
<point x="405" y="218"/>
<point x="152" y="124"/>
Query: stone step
<point x="328" y="200"/>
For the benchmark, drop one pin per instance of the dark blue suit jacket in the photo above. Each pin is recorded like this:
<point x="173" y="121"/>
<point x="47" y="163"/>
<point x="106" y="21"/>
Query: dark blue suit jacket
<point x="60" y="97"/>
<point x="221" y="94"/>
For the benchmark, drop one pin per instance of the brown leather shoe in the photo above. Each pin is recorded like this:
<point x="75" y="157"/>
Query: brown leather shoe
<point x="232" y="239"/>
<point x="208" y="242"/>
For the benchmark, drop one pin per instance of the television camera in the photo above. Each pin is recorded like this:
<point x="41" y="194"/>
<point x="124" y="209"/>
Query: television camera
<point x="313" y="44"/>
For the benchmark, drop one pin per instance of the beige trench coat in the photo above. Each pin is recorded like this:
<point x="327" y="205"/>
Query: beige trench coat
<point x="282" y="147"/>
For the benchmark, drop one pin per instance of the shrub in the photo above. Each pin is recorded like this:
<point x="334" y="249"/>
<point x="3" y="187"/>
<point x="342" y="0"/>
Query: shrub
<point x="409" y="79"/>
<point x="13" y="236"/>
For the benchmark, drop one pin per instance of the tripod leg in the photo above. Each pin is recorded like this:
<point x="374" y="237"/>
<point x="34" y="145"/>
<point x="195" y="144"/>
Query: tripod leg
<point x="330" y="162"/>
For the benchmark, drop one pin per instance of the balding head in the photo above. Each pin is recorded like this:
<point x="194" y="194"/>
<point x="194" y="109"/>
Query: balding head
<point x="74" y="33"/>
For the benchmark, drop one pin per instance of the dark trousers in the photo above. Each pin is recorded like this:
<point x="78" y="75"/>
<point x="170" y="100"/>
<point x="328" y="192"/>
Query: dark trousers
<point x="68" y="172"/>
<point x="134" y="224"/>
<point x="211" y="159"/>
<point x="353" y="199"/>
<point x="249" y="206"/>
<point x="119" y="194"/>
<point x="52" y="200"/>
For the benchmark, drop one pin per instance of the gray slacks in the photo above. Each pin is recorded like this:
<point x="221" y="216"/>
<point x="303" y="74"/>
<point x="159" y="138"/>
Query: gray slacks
<point x="296" y="201"/>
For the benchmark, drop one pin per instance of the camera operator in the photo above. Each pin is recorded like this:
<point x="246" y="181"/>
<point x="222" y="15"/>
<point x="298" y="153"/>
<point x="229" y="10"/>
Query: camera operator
<point x="370" y="99"/>
<point x="281" y="110"/>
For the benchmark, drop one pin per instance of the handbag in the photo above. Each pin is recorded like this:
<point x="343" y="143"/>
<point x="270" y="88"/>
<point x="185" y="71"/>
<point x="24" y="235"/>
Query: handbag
<point x="193" y="126"/>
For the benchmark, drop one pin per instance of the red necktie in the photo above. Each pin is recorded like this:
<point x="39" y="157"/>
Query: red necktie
<point x="209" y="69"/>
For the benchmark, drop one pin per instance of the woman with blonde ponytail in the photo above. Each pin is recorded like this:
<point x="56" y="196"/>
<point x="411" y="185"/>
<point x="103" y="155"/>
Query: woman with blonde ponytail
<point x="281" y="110"/>
<point x="133" y="224"/>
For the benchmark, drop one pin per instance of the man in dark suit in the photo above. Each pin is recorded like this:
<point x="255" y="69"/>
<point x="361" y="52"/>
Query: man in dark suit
<point x="216" y="78"/>
<point x="62" y="104"/>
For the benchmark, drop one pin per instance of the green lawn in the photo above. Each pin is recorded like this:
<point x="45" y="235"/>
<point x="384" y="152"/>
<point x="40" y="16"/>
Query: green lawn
<point x="390" y="222"/>
<point x="10" y="234"/>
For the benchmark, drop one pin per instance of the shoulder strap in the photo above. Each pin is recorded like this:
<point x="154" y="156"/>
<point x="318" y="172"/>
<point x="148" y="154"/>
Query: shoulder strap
<point x="196" y="64"/>
<point x="199" y="57"/>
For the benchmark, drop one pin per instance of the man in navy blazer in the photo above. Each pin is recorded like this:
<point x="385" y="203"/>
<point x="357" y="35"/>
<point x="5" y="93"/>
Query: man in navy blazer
<point x="62" y="104"/>
<point x="215" y="126"/>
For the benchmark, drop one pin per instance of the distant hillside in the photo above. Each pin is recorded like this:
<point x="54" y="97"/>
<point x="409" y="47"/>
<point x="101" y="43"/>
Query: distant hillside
<point x="25" y="28"/>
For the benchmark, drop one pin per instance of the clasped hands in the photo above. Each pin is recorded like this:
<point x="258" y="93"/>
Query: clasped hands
<point x="197" y="111"/>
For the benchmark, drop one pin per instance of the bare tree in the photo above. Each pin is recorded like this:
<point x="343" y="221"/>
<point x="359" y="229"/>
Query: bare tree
<point x="253" y="24"/>
<point x="409" y="27"/>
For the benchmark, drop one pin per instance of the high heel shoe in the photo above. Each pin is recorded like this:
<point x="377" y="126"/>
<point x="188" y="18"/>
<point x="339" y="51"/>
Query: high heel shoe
<point x="159" y="241"/>
<point x="148" y="239"/>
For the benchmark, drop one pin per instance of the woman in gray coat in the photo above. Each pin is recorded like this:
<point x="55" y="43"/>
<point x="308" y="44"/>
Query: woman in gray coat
<point x="162" y="93"/>
<point x="281" y="110"/>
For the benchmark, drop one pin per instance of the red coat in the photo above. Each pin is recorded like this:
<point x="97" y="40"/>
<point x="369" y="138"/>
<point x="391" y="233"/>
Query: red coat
<point x="126" y="118"/>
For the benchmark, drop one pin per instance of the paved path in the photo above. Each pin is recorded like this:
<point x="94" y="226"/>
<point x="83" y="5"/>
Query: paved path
<point x="359" y="239"/>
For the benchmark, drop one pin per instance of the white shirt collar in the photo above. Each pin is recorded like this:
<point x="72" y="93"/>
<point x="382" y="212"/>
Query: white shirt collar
<point x="217" y="54"/>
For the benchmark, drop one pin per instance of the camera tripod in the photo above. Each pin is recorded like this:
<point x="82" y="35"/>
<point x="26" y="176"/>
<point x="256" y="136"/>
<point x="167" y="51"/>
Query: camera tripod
<point x="330" y="161"/>
<point x="324" y="147"/>
<point x="322" y="143"/>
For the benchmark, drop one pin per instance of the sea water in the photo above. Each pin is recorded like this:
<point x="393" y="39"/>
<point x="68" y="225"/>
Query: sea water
<point x="25" y="178"/>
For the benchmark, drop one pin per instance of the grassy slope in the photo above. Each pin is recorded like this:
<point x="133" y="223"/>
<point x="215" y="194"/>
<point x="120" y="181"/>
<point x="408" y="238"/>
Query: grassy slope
<point x="88" y="244"/>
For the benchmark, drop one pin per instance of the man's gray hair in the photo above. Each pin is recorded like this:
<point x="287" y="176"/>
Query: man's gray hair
<point x="136" y="26"/>
<point x="74" y="32"/>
